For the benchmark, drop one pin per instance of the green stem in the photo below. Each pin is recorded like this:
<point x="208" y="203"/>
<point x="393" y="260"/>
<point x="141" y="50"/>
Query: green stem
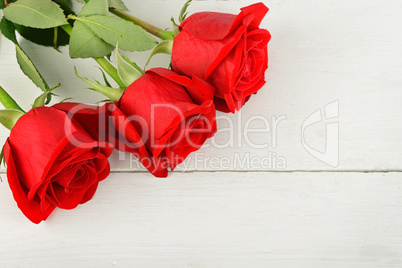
<point x="158" y="32"/>
<point x="8" y="102"/>
<point x="109" y="68"/>
<point x="56" y="33"/>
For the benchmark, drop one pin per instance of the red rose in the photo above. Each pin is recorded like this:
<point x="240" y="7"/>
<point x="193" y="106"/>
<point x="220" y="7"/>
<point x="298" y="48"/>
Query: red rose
<point x="53" y="162"/>
<point x="172" y="114"/>
<point x="228" y="51"/>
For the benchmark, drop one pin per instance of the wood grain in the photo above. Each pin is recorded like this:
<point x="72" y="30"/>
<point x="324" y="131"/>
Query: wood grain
<point x="216" y="219"/>
<point x="320" y="53"/>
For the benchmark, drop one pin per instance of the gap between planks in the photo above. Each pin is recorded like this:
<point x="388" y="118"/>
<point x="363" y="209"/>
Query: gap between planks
<point x="260" y="171"/>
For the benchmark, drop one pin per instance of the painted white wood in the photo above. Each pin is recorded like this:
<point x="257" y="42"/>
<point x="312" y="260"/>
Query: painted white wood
<point x="216" y="219"/>
<point x="320" y="53"/>
<point x="345" y="51"/>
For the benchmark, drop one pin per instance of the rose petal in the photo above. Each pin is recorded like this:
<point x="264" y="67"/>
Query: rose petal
<point x="30" y="208"/>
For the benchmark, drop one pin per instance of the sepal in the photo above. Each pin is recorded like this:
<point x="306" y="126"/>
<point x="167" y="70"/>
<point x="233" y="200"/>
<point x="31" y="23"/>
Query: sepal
<point x="183" y="11"/>
<point x="42" y="99"/>
<point x="8" y="117"/>
<point x="113" y="94"/>
<point x="165" y="47"/>
<point x="128" y="71"/>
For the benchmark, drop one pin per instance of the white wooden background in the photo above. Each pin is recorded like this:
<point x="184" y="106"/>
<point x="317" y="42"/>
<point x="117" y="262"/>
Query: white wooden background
<point x="302" y="213"/>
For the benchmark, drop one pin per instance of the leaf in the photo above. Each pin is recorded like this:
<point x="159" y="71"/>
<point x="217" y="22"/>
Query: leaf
<point x="9" y="117"/>
<point x="29" y="69"/>
<point x="126" y="71"/>
<point x="45" y="37"/>
<point x="63" y="3"/>
<point x="111" y="30"/>
<point x="86" y="44"/>
<point x="8" y="30"/>
<point x="26" y="65"/>
<point x="37" y="14"/>
<point x="95" y="7"/>
<point x="66" y="5"/>
<point x="3" y="5"/>
<point x="117" y="4"/>
<point x="7" y="101"/>
<point x="163" y="47"/>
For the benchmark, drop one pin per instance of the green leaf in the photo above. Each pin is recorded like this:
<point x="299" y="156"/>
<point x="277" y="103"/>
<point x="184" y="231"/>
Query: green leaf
<point x="7" y="101"/>
<point x="86" y="44"/>
<point x="117" y="4"/>
<point x="9" y="117"/>
<point x="29" y="69"/>
<point x="163" y="47"/>
<point x="45" y="37"/>
<point x="66" y="5"/>
<point x="111" y="30"/>
<point x="95" y="7"/>
<point x="8" y="30"/>
<point x="26" y="65"/>
<point x="3" y="5"/>
<point x="63" y="3"/>
<point x="37" y="14"/>
<point x="126" y="71"/>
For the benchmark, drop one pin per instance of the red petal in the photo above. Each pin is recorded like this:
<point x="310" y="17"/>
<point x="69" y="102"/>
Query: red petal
<point x="198" y="89"/>
<point x="31" y="208"/>
<point x="40" y="133"/>
<point x="129" y="140"/>
<point x="94" y="119"/>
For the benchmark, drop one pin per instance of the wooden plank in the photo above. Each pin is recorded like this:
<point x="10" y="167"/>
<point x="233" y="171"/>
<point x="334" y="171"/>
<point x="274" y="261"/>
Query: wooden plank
<point x="217" y="219"/>
<point x="320" y="53"/>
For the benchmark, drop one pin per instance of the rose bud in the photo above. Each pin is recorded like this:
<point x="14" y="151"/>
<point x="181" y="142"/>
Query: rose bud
<point x="228" y="51"/>
<point x="52" y="161"/>
<point x="173" y="115"/>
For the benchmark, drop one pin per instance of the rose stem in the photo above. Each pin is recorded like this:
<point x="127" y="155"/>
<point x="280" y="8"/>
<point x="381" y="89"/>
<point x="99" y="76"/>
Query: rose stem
<point x="8" y="102"/>
<point x="158" y="32"/>
<point x="101" y="61"/>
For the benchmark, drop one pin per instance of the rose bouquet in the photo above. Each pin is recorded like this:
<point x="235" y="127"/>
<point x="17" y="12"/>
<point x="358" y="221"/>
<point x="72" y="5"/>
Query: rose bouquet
<point x="160" y="115"/>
